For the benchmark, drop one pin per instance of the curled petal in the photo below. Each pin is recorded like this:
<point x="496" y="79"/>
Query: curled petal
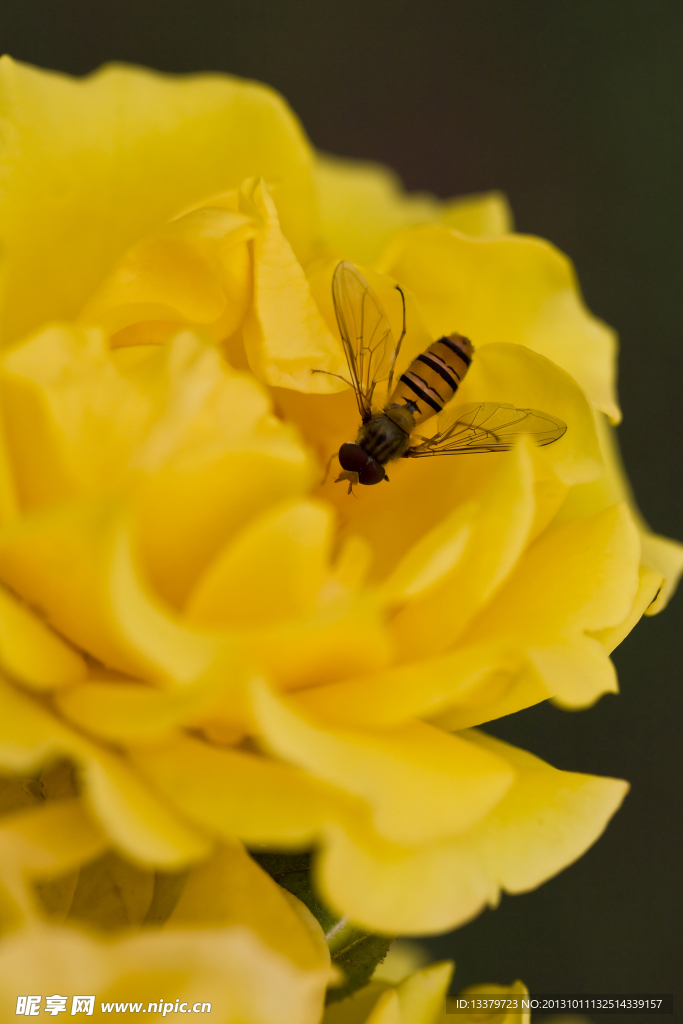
<point x="289" y="547"/>
<point x="76" y="563"/>
<point x="470" y="676"/>
<point x="660" y="555"/>
<point x="42" y="843"/>
<point x="31" y="652"/>
<point x="499" y="529"/>
<point x="552" y="617"/>
<point x="537" y="301"/>
<point x="547" y="819"/>
<point x="196" y="271"/>
<point x="536" y="637"/>
<point x="118" y="711"/>
<point x="234" y="793"/>
<point x="125" y="807"/>
<point x="94" y="164"/>
<point x="527" y="379"/>
<point x="419" y="782"/>
<point x="231" y="889"/>
<point x="362" y="205"/>
<point x="231" y="970"/>
<point x="285" y="335"/>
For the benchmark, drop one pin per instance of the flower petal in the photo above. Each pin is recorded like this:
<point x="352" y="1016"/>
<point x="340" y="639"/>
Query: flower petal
<point x="234" y="793"/>
<point x="596" y="589"/>
<point x="173" y="421"/>
<point x="664" y="557"/>
<point x="285" y="335"/>
<point x="231" y="889"/>
<point x="362" y="205"/>
<point x="32" y="653"/>
<point x="387" y="1010"/>
<point x="422" y="994"/>
<point x="92" y="165"/>
<point x="433" y="557"/>
<point x="63" y="397"/>
<point x="522" y="847"/>
<point x="400" y="889"/>
<point x="515" y="289"/>
<point x="137" y="821"/>
<point x="9" y="502"/>
<point x="420" y="782"/>
<point x="357" y="1007"/>
<point x="649" y="584"/>
<point x="482" y="214"/>
<point x="547" y="819"/>
<point x="195" y="271"/>
<point x="347" y="637"/>
<point x="515" y="374"/>
<point x="111" y="893"/>
<point x="76" y="563"/>
<point x="116" y="710"/>
<point x="659" y="554"/>
<point x="289" y="547"/>
<point x="470" y="676"/>
<point x="499" y="526"/>
<point x="127" y="810"/>
<point x="43" y="843"/>
<point x="231" y="971"/>
<point x="537" y="608"/>
<point x="579" y="672"/>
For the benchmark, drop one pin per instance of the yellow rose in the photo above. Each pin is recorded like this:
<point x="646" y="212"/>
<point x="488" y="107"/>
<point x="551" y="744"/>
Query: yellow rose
<point x="233" y="940"/>
<point x="228" y="651"/>
<point x="420" y="997"/>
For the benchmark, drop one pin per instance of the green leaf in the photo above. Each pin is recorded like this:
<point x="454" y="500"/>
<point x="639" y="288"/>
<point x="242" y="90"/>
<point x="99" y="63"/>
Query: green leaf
<point x="355" y="951"/>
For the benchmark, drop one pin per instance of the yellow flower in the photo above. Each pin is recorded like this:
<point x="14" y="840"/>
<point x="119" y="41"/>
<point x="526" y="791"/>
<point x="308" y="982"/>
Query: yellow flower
<point x="232" y="938"/>
<point x="420" y="997"/>
<point x="228" y="651"/>
<point x="225" y="972"/>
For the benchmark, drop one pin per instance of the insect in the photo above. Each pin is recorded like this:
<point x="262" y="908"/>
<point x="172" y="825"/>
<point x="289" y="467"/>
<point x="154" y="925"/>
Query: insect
<point x="429" y="383"/>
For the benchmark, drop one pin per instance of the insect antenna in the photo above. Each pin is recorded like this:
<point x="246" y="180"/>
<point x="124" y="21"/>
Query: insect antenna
<point x="330" y="374"/>
<point x="398" y="345"/>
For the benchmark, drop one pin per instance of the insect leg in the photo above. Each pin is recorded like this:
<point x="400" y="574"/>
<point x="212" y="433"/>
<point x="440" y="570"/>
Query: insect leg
<point x="327" y="468"/>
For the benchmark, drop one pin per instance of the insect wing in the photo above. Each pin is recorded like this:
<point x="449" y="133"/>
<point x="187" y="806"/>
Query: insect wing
<point x="365" y="332"/>
<point x="487" y="427"/>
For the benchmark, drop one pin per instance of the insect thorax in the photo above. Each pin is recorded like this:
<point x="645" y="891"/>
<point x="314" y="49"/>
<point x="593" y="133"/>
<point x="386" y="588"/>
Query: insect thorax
<point x="383" y="438"/>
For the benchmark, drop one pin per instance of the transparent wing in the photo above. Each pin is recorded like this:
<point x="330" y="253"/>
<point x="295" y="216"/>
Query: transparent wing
<point x="365" y="332"/>
<point x="487" y="427"/>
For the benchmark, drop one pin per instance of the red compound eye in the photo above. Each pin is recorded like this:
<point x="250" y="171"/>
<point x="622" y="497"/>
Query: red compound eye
<point x="371" y="473"/>
<point x="354" y="459"/>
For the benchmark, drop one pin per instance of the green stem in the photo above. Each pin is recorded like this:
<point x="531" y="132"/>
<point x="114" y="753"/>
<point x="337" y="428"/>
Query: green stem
<point x="355" y="951"/>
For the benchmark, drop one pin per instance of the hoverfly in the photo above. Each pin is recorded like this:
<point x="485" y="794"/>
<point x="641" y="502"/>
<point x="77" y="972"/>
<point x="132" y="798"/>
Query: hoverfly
<point x="429" y="383"/>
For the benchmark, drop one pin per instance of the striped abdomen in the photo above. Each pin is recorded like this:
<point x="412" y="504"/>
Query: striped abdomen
<point x="432" y="379"/>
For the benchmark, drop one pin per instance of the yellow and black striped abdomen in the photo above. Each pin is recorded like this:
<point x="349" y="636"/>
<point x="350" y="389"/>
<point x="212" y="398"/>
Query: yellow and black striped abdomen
<point x="432" y="379"/>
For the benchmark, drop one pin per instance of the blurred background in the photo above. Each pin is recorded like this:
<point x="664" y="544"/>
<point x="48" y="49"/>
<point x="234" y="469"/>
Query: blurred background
<point x="575" y="109"/>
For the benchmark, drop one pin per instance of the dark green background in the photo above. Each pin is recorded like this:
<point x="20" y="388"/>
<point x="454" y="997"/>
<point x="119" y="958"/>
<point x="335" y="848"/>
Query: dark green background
<point x="575" y="109"/>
